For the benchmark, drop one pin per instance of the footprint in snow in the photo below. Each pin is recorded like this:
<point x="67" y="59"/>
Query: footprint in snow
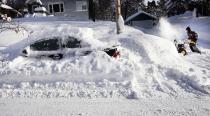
<point x="191" y="69"/>
<point x="204" y="71"/>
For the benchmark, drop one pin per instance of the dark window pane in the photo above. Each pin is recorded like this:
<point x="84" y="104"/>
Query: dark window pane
<point x="35" y="6"/>
<point x="73" y="43"/>
<point x="61" y="7"/>
<point x="46" y="45"/>
<point x="51" y="9"/>
<point x="56" y="7"/>
<point x="84" y="7"/>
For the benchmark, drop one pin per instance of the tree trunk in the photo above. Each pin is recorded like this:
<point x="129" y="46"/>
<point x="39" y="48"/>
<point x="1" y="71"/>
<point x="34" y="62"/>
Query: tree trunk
<point x="119" y="19"/>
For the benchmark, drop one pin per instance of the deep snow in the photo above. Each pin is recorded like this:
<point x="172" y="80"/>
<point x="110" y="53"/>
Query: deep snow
<point x="149" y="69"/>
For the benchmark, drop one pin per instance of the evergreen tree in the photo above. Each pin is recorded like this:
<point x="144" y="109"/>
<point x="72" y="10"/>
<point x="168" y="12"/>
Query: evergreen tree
<point x="175" y="7"/>
<point x="157" y="9"/>
<point x="104" y="9"/>
<point x="161" y="8"/>
<point x="202" y="6"/>
<point x="130" y="7"/>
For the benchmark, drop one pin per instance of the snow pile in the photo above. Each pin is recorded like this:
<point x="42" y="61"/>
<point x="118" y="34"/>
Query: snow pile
<point x="104" y="89"/>
<point x="40" y="12"/>
<point x="12" y="38"/>
<point x="40" y="9"/>
<point x="149" y="66"/>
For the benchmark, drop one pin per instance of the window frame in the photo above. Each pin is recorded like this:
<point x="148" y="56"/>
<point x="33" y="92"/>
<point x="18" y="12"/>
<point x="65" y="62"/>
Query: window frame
<point x="60" y="8"/>
<point x="81" y="6"/>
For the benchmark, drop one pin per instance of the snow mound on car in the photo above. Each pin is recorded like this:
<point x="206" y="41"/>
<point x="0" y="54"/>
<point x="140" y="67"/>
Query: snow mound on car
<point x="84" y="34"/>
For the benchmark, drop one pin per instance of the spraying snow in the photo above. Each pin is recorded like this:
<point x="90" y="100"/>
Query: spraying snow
<point x="167" y="30"/>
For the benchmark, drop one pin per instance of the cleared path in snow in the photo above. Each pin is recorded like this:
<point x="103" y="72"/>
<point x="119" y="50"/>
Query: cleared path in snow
<point x="105" y="107"/>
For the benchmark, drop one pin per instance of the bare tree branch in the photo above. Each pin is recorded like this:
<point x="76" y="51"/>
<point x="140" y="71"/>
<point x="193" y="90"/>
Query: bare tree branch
<point x="7" y="24"/>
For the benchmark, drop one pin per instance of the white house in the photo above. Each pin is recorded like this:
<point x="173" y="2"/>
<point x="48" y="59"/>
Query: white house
<point x="75" y="9"/>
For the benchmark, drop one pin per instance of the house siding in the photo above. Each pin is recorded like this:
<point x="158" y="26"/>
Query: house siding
<point x="69" y="9"/>
<point x="147" y="24"/>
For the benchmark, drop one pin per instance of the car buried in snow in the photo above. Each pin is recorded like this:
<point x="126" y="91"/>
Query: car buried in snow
<point x="59" y="47"/>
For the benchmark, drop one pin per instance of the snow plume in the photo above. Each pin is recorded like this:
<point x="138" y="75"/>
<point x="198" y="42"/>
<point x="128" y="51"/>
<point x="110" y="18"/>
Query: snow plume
<point x="167" y="30"/>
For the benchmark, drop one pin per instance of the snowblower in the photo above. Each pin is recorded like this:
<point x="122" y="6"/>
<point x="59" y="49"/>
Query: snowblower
<point x="180" y="47"/>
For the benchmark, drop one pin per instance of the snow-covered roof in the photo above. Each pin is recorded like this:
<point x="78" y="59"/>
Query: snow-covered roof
<point x="25" y="10"/>
<point x="33" y="1"/>
<point x="141" y="15"/>
<point x="41" y="9"/>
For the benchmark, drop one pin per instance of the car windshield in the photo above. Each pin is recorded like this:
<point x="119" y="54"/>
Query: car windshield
<point x="46" y="45"/>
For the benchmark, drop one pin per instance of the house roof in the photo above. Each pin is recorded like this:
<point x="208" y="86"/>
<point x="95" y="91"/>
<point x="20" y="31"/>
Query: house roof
<point x="141" y="15"/>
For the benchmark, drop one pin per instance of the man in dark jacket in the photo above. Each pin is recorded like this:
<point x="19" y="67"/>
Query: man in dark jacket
<point x="192" y="40"/>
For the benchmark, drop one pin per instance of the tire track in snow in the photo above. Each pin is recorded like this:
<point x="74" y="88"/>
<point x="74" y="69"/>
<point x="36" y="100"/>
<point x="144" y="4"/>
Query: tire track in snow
<point x="186" y="82"/>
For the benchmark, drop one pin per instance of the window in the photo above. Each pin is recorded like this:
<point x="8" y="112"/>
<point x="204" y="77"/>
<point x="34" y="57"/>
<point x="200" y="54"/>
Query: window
<point x="46" y="45"/>
<point x="50" y="8"/>
<point x="33" y="7"/>
<point x="81" y="5"/>
<point x="84" y="7"/>
<point x="73" y="43"/>
<point x="56" y="8"/>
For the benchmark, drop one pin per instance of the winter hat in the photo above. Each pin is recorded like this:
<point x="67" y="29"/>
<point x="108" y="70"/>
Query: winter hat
<point x="188" y="28"/>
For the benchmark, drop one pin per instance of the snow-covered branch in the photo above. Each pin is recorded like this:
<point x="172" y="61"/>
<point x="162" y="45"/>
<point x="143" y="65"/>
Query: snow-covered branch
<point x="7" y="24"/>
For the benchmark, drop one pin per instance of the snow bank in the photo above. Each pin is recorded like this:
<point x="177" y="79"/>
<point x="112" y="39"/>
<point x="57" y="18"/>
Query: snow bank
<point x="149" y="66"/>
<point x="104" y="89"/>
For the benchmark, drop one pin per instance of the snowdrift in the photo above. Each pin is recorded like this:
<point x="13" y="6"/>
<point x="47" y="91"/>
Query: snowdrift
<point x="149" y="66"/>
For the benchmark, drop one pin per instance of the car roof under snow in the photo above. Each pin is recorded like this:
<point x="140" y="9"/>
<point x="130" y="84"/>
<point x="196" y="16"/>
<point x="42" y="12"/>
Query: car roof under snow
<point x="80" y="33"/>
